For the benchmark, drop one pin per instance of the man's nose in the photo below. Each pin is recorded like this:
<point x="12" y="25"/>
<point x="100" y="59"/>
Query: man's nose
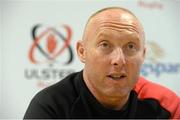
<point x="118" y="57"/>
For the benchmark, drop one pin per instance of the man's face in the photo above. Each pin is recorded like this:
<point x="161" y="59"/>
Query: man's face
<point x="113" y="54"/>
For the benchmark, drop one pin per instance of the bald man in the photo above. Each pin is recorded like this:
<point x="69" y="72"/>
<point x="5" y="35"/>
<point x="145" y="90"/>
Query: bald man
<point x="112" y="50"/>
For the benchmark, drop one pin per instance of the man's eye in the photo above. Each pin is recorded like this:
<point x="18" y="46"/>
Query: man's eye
<point x="131" y="46"/>
<point x="130" y="49"/>
<point x="105" y="45"/>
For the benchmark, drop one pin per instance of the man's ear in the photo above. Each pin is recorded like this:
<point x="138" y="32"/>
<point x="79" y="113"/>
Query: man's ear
<point x="144" y="52"/>
<point x="80" y="51"/>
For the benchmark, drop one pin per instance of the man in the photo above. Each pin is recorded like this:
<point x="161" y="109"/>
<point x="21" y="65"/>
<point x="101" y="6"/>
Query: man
<point x="112" y="50"/>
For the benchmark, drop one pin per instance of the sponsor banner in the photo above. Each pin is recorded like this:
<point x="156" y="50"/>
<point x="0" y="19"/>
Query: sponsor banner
<point x="39" y="38"/>
<point x="162" y="64"/>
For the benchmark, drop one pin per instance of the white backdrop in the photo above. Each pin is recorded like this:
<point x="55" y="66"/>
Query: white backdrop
<point x="21" y="78"/>
<point x="0" y="58"/>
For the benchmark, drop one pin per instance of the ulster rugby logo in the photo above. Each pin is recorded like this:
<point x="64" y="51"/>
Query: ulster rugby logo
<point x="51" y="53"/>
<point x="49" y="43"/>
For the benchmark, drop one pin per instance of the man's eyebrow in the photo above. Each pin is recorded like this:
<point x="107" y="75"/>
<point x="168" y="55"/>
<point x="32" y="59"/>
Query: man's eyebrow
<point x="133" y="38"/>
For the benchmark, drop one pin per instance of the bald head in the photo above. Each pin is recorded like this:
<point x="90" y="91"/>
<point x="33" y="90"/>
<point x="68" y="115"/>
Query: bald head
<point x="113" y="17"/>
<point x="111" y="8"/>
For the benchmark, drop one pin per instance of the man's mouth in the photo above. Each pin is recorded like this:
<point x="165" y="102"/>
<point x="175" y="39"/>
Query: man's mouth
<point x="117" y="76"/>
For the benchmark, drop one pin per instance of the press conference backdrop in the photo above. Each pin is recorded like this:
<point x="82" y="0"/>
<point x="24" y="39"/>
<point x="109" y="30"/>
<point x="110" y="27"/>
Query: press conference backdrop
<point x="38" y="44"/>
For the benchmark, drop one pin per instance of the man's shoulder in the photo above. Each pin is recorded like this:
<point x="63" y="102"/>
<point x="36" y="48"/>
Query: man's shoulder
<point x="59" y="93"/>
<point x="147" y="89"/>
<point x="166" y="98"/>
<point x="55" y="101"/>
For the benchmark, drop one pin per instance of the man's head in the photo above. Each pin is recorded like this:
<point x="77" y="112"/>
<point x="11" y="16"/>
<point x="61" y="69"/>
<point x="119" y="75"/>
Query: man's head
<point x="113" y="51"/>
